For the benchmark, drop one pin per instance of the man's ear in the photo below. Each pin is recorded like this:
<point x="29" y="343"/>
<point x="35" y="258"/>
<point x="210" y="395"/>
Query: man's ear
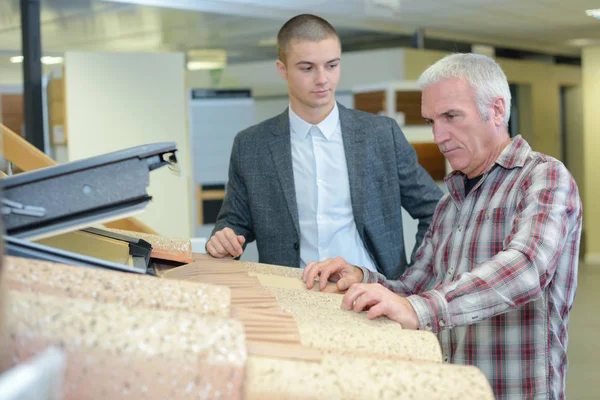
<point x="281" y="68"/>
<point x="499" y="110"/>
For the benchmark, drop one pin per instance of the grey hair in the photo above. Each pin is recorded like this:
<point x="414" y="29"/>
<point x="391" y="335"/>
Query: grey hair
<point x="481" y="72"/>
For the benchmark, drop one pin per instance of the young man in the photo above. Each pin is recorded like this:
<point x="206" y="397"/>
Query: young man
<point x="496" y="274"/>
<point x="321" y="180"/>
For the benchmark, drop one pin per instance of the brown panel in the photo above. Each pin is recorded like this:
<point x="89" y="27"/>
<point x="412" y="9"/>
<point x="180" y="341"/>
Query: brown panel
<point x="12" y="104"/>
<point x="12" y="112"/>
<point x="13" y="122"/>
<point x="431" y="159"/>
<point x="410" y="104"/>
<point x="371" y="102"/>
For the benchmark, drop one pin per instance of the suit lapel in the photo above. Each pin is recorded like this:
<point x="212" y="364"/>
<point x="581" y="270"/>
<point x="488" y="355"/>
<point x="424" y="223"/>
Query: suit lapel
<point x="354" y="140"/>
<point x="281" y="151"/>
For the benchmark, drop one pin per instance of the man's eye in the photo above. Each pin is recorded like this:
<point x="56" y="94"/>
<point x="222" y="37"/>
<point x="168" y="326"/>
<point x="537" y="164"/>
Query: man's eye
<point x="451" y="116"/>
<point x="332" y="66"/>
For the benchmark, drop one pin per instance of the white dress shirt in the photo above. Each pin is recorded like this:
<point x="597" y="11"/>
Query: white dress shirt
<point x="327" y="227"/>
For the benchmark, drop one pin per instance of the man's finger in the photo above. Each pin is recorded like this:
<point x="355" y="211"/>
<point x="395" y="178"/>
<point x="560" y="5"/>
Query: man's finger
<point x="344" y="283"/>
<point x="365" y="301"/>
<point x="231" y="242"/>
<point x="224" y="243"/>
<point x="306" y="270"/>
<point x="377" y="311"/>
<point x="312" y="274"/>
<point x="351" y="295"/>
<point x="217" y="247"/>
<point x="212" y="251"/>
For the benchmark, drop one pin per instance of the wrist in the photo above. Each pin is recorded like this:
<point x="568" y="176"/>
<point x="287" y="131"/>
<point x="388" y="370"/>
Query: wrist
<point x="358" y="272"/>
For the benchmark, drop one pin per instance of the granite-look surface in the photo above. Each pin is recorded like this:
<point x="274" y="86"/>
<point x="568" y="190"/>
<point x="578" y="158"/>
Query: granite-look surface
<point x="323" y="324"/>
<point x="116" y="287"/>
<point x="168" y="248"/>
<point x="116" y="351"/>
<point x="339" y="377"/>
<point x="269" y="269"/>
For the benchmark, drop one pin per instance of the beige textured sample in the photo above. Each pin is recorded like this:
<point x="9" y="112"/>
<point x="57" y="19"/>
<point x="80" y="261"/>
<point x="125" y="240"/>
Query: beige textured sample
<point x="286" y="282"/>
<point x="166" y="248"/>
<point x="119" y="352"/>
<point x="323" y="324"/>
<point x="339" y="377"/>
<point x="269" y="269"/>
<point x="116" y="287"/>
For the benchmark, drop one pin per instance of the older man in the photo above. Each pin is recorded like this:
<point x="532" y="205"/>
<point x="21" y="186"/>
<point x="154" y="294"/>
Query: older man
<point x="495" y="276"/>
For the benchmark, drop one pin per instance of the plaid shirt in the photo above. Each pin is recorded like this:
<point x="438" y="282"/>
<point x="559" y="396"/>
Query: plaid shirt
<point x="495" y="276"/>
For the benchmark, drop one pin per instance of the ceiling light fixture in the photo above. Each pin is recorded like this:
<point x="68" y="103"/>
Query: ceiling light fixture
<point x="268" y="42"/>
<point x="47" y="60"/>
<point x="595" y="13"/>
<point x="206" y="59"/>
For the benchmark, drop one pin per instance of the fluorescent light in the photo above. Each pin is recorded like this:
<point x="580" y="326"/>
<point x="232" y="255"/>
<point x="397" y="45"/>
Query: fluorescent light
<point x="593" y="13"/>
<point x="196" y="65"/>
<point x="268" y="42"/>
<point x="48" y="60"/>
<point x="582" y="42"/>
<point x="206" y="59"/>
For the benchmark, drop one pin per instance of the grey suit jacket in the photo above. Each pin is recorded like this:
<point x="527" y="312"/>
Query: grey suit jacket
<point x="384" y="175"/>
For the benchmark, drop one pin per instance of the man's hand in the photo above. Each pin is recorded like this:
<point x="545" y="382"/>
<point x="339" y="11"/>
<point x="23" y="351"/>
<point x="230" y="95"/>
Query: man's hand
<point x="380" y="301"/>
<point x="333" y="269"/>
<point x="225" y="243"/>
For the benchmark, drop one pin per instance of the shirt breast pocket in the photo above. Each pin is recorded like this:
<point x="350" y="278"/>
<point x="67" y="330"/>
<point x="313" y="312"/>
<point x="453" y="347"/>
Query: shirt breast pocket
<point x="488" y="234"/>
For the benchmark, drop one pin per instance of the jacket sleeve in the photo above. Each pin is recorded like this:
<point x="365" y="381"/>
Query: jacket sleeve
<point x="235" y="210"/>
<point x="419" y="193"/>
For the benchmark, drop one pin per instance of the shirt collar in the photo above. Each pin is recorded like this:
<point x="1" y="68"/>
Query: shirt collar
<point x="513" y="156"/>
<point x="327" y="127"/>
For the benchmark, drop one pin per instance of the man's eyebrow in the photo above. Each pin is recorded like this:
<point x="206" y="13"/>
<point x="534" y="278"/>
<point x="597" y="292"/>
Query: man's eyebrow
<point x="451" y="111"/>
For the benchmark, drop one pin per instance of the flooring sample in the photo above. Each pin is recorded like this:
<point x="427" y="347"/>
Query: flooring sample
<point x="251" y="303"/>
<point x="286" y="282"/>
<point x="324" y="325"/>
<point x="119" y="352"/>
<point x="269" y="269"/>
<point x="174" y="249"/>
<point x="348" y="378"/>
<point x="131" y="290"/>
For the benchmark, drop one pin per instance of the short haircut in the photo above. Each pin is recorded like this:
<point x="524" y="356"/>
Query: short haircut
<point x="482" y="73"/>
<point x="303" y="27"/>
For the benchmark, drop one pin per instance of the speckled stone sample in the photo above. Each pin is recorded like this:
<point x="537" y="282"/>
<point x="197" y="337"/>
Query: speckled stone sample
<point x="269" y="269"/>
<point x="117" y="287"/>
<point x="120" y="352"/>
<point x="339" y="377"/>
<point x="323" y="324"/>
<point x="167" y="248"/>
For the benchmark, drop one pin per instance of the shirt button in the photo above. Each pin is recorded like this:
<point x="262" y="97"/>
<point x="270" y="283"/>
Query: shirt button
<point x="442" y="323"/>
<point x="450" y="272"/>
<point x="428" y="327"/>
<point x="296" y="246"/>
<point x="445" y="358"/>
<point x="460" y="228"/>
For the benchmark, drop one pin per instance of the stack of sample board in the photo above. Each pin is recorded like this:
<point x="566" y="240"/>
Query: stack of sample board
<point x="135" y="336"/>
<point x="141" y="317"/>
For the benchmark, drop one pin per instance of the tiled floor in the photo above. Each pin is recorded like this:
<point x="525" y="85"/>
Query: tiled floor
<point x="583" y="376"/>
